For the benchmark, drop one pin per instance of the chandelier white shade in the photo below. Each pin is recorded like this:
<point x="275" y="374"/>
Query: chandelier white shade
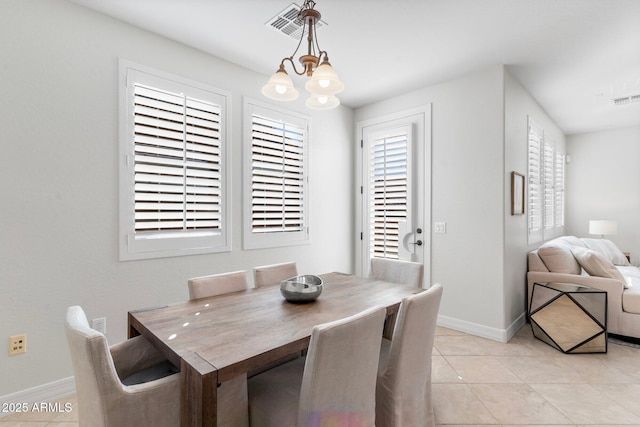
<point x="603" y="227"/>
<point x="322" y="102"/>
<point x="323" y="83"/>
<point x="280" y="87"/>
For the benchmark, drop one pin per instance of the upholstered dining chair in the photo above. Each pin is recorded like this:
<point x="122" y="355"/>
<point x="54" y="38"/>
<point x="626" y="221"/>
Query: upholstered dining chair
<point x="397" y="271"/>
<point x="129" y="384"/>
<point x="335" y="386"/>
<point x="217" y="284"/>
<point x="403" y="390"/>
<point x="232" y="394"/>
<point x="274" y="273"/>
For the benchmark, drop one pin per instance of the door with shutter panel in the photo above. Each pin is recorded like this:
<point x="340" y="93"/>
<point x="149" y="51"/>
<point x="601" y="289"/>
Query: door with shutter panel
<point x="395" y="171"/>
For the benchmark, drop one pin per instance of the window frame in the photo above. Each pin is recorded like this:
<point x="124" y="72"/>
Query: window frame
<point x="148" y="245"/>
<point x="254" y="240"/>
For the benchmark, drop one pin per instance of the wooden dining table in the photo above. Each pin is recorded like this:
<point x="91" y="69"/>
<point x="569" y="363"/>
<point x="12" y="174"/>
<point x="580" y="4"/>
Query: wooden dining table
<point x="217" y="338"/>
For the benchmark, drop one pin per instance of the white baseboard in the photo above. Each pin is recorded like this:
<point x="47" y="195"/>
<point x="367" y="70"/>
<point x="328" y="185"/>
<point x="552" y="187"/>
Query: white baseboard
<point x="43" y="393"/>
<point x="500" y="335"/>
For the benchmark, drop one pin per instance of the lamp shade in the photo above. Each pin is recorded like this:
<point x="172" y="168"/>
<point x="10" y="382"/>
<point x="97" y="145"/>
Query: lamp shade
<point x="322" y="102"/>
<point x="280" y="87"/>
<point x="324" y="81"/>
<point x="603" y="227"/>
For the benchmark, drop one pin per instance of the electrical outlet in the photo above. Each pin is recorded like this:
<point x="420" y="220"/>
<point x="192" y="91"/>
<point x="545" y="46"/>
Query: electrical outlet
<point x="100" y="324"/>
<point x="17" y="344"/>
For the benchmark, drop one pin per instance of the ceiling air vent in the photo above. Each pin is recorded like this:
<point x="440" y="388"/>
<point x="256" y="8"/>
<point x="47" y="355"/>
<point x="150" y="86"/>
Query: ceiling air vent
<point x="287" y="22"/>
<point x="626" y="100"/>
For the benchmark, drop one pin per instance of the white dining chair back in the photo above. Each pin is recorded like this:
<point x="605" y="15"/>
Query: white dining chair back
<point x="334" y="386"/>
<point x="101" y="375"/>
<point x="217" y="284"/>
<point x="274" y="273"/>
<point x="397" y="271"/>
<point x="403" y="390"/>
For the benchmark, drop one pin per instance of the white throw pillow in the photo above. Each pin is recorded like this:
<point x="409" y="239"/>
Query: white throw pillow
<point x="596" y="265"/>
<point x="558" y="259"/>
<point x="608" y="249"/>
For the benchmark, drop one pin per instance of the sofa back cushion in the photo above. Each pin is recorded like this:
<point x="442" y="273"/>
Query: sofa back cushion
<point x="569" y="241"/>
<point x="558" y="258"/>
<point x="595" y="264"/>
<point x="607" y="249"/>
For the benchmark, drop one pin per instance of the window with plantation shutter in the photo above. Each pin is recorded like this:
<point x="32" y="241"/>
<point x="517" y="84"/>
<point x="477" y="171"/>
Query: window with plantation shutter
<point x="173" y="187"/>
<point x="545" y="186"/>
<point x="277" y="200"/>
<point x="388" y="192"/>
<point x="534" y="211"/>
<point x="558" y="188"/>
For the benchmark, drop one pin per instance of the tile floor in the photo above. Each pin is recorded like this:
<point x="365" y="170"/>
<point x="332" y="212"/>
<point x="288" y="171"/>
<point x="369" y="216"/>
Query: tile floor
<point x="481" y="382"/>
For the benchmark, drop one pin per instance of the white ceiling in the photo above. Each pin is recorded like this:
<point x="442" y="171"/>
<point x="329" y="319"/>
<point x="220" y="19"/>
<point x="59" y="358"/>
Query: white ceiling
<point x="573" y="56"/>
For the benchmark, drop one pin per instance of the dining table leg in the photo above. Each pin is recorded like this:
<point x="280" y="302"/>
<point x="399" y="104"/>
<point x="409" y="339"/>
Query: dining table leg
<point x="198" y="392"/>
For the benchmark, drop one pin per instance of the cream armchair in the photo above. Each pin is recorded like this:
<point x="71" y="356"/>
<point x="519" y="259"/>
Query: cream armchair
<point x="129" y="384"/>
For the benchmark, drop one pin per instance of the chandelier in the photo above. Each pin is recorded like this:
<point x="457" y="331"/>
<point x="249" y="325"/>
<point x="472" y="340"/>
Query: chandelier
<point x="323" y="83"/>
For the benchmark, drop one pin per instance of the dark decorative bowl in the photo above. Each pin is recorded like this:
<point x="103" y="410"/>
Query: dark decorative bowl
<point x="305" y="288"/>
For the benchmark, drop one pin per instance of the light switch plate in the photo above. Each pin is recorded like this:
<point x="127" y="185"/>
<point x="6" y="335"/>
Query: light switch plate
<point x="440" y="227"/>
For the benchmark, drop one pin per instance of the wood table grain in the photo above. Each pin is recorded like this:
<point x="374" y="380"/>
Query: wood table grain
<point x="215" y="339"/>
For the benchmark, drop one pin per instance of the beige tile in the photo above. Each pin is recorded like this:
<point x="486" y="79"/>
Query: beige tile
<point x="624" y="394"/>
<point x="440" y="330"/>
<point x="457" y="404"/>
<point x="517" y="346"/>
<point x="583" y="404"/>
<point x="629" y="365"/>
<point x="542" y="369"/>
<point x="481" y="369"/>
<point x="517" y="403"/>
<point x="594" y="369"/>
<point x="459" y="345"/>
<point x="622" y="350"/>
<point x="442" y="372"/>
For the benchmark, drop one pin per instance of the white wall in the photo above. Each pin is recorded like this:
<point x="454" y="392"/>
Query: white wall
<point x="603" y="182"/>
<point x="519" y="105"/>
<point x="467" y="193"/>
<point x="59" y="181"/>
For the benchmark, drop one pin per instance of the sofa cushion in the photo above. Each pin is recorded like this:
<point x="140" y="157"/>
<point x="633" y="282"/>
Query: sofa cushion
<point x="631" y="300"/>
<point x="595" y="264"/>
<point x="558" y="258"/>
<point x="608" y="249"/>
<point x="628" y="270"/>
<point x="631" y="281"/>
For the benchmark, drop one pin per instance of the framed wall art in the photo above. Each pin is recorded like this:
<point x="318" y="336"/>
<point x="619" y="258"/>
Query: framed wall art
<point x="517" y="193"/>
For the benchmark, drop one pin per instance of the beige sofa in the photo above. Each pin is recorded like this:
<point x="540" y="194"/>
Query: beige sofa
<point x="597" y="263"/>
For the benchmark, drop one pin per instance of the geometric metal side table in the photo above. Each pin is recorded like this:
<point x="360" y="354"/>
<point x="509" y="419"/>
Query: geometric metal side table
<point x="571" y="318"/>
